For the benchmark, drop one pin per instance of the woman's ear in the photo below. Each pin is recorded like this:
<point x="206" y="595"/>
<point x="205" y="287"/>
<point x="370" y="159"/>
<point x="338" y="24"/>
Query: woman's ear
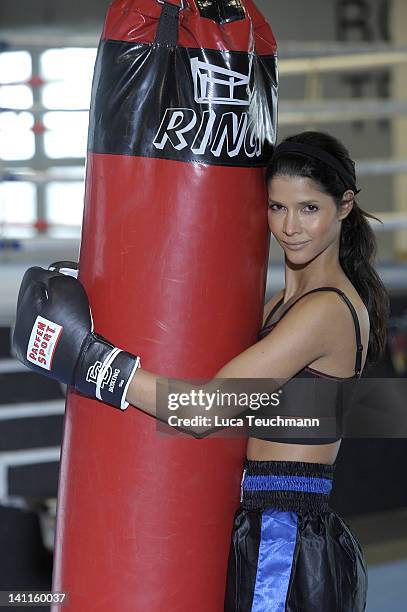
<point x="348" y="200"/>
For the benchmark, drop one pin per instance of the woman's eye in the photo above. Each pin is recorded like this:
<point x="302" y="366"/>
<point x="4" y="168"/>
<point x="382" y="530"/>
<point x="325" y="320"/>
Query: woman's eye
<point x="310" y="208"/>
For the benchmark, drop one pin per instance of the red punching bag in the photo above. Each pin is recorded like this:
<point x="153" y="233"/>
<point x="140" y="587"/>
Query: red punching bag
<point x="173" y="257"/>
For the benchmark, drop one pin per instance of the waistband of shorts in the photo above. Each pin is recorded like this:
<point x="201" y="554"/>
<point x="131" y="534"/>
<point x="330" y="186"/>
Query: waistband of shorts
<point x="297" y="486"/>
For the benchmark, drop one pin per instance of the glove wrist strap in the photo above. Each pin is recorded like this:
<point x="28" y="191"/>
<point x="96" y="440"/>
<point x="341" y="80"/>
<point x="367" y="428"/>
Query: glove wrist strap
<point x="118" y="370"/>
<point x="106" y="372"/>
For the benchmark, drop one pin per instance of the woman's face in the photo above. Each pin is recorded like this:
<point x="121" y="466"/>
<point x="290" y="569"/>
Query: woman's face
<point x="303" y="220"/>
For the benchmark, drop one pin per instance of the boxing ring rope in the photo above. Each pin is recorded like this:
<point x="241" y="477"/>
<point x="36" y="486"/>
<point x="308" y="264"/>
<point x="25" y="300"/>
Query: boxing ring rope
<point x="370" y="167"/>
<point x="293" y="112"/>
<point x="338" y="111"/>
<point x="374" y="54"/>
<point x="36" y="109"/>
<point x="341" y="59"/>
<point x="40" y="38"/>
<point x="391" y="221"/>
<point x="40" y="178"/>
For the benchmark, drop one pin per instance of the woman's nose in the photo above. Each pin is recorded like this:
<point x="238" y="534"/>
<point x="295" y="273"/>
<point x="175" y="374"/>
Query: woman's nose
<point x="291" y="224"/>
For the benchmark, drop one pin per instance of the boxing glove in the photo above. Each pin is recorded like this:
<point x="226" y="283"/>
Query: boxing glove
<point x="54" y="336"/>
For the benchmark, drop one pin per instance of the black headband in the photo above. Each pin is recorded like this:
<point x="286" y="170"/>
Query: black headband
<point x="319" y="154"/>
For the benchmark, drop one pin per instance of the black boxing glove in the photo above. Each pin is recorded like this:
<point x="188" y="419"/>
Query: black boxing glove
<point x="54" y="336"/>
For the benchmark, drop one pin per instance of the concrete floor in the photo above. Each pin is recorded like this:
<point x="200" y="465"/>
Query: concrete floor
<point x="384" y="541"/>
<point x="387" y="587"/>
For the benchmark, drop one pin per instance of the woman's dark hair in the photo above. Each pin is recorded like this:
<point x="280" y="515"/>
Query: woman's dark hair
<point x="358" y="245"/>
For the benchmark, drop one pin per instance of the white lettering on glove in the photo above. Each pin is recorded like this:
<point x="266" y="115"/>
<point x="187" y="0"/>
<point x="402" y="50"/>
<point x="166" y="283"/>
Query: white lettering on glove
<point x="43" y="342"/>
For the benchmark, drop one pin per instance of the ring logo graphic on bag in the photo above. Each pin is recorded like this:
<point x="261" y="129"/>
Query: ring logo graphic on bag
<point x="216" y="85"/>
<point x="228" y="134"/>
<point x="43" y="342"/>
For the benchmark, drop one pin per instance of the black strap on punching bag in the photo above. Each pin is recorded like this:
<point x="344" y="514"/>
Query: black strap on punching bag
<point x="167" y="31"/>
<point x="221" y="11"/>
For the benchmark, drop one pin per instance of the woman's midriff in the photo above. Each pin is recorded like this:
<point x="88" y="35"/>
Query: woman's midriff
<point x="262" y="450"/>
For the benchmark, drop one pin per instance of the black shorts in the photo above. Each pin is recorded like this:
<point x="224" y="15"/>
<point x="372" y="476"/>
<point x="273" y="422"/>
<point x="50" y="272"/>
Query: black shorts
<point x="290" y="552"/>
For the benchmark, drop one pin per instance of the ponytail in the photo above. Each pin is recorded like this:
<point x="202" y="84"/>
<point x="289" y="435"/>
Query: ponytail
<point x="357" y="252"/>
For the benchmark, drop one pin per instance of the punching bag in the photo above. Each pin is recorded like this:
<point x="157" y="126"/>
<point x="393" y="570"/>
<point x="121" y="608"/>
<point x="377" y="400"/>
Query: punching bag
<point x="174" y="258"/>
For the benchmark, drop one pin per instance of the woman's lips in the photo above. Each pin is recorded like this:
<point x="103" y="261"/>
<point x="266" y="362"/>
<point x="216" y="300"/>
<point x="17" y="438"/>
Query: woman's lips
<point x="296" y="246"/>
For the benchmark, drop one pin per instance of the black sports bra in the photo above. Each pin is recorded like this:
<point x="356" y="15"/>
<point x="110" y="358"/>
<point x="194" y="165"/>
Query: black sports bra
<point x="309" y="372"/>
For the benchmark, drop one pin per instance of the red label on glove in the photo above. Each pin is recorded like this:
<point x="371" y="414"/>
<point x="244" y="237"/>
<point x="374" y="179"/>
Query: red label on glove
<point x="43" y="342"/>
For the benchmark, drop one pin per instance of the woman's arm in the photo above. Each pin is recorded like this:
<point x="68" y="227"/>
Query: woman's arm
<point x="54" y="336"/>
<point x="302" y="336"/>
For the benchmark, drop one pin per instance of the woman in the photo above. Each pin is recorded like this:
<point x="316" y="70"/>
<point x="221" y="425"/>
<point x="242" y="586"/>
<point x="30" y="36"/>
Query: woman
<point x="289" y="551"/>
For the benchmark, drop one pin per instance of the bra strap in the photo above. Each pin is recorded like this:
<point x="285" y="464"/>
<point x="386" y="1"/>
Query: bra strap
<point x="359" y="346"/>
<point x="273" y="310"/>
